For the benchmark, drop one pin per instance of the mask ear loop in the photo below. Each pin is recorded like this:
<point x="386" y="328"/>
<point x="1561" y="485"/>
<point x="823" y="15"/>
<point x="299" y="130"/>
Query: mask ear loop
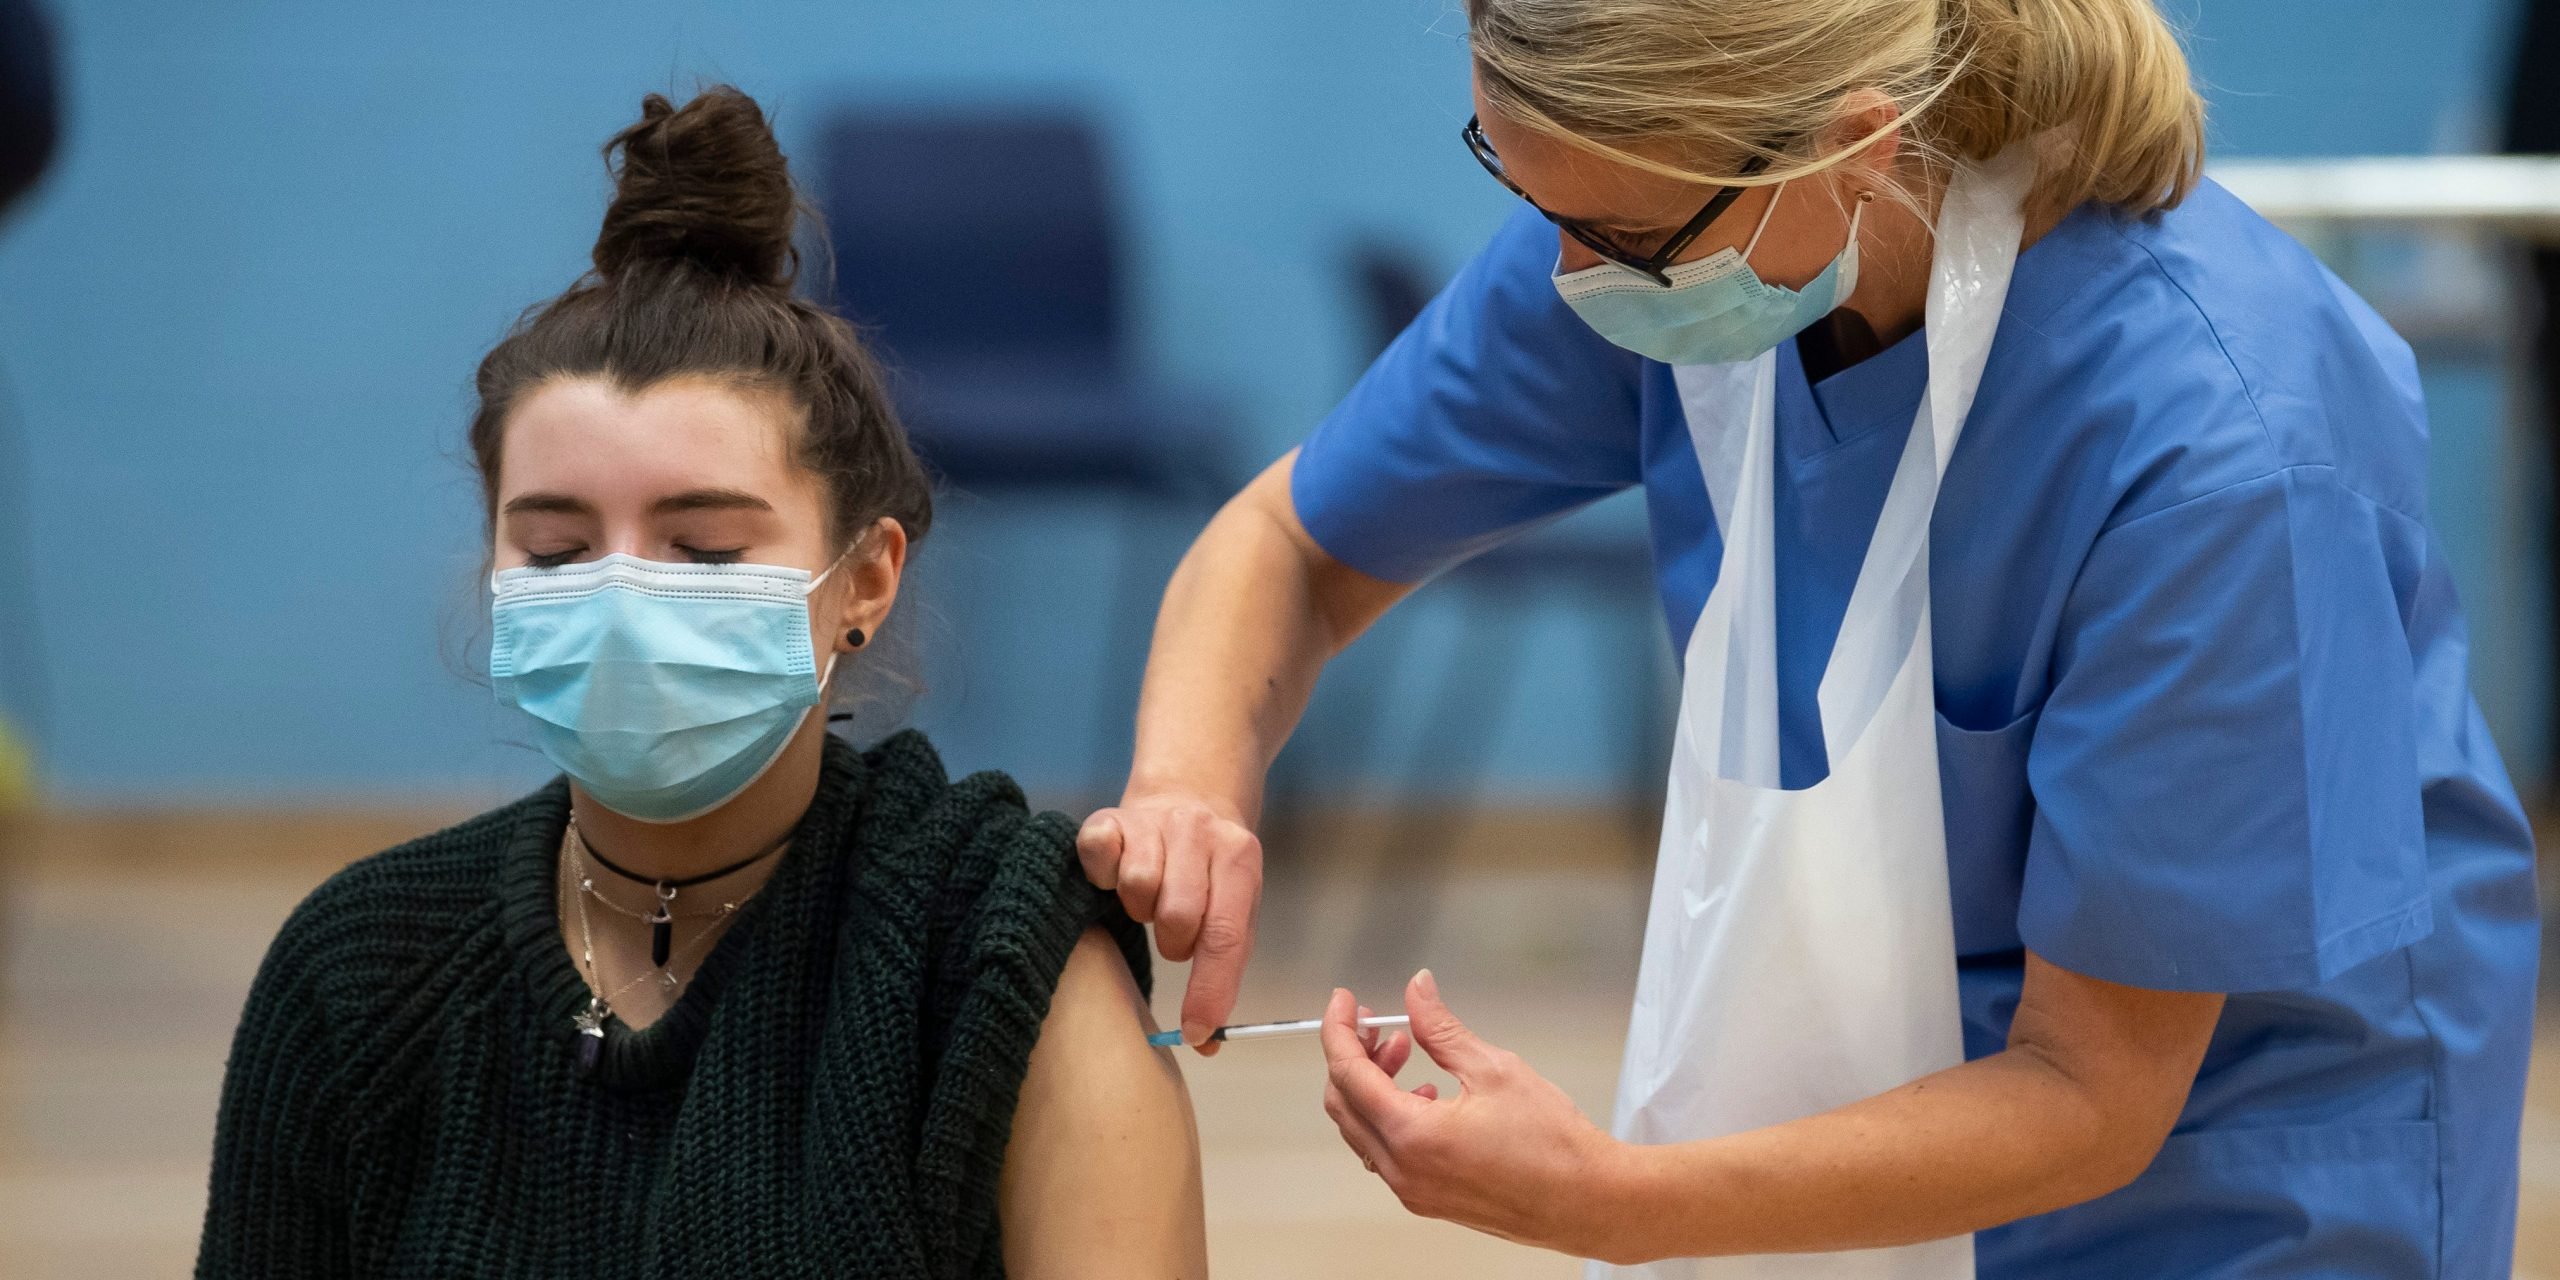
<point x="833" y="717"/>
<point x="832" y="566"/>
<point x="1750" y="248"/>
<point x="1856" y="214"/>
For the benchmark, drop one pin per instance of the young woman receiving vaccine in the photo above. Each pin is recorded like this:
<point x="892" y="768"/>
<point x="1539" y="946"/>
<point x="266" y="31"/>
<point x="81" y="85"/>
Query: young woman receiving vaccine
<point x="2083" y="855"/>
<point x="730" y="997"/>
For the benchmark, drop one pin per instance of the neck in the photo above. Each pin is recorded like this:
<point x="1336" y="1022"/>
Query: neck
<point x="1896" y="251"/>
<point x="752" y="821"/>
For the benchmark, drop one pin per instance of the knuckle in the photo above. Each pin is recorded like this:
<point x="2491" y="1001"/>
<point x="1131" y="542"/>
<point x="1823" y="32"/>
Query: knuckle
<point x="1222" y="935"/>
<point x="1177" y="905"/>
<point x="1245" y="846"/>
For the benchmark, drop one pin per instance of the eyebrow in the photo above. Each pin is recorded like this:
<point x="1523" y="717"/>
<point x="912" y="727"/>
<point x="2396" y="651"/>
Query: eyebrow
<point x="690" y="500"/>
<point x="709" y="500"/>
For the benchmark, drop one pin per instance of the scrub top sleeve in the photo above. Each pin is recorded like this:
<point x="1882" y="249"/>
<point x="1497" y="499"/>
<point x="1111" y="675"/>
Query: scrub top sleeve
<point x="2225" y="772"/>
<point x="1495" y="409"/>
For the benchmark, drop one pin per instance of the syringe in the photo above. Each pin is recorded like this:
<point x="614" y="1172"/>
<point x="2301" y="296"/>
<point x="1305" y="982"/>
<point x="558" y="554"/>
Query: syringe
<point x="1268" y="1030"/>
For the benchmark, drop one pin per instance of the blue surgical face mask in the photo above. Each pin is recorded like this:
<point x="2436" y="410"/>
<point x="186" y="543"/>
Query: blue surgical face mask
<point x="1717" y="310"/>
<point x="664" y="689"/>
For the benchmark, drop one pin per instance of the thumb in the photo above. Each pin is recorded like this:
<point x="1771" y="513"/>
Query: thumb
<point x="1458" y="1050"/>
<point x="1098" y="848"/>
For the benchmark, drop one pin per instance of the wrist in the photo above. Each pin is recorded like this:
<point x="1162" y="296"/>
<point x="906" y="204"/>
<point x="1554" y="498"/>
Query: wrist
<point x="1148" y="788"/>
<point x="1660" y="1201"/>
<point x="1621" y="1196"/>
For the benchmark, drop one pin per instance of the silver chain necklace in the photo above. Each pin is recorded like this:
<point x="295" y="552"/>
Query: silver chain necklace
<point x="590" y="1020"/>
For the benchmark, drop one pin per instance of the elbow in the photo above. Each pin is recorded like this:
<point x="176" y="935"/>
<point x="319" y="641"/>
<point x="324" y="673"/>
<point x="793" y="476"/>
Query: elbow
<point x="2116" y="1145"/>
<point x="2122" y="1157"/>
<point x="2111" y="1140"/>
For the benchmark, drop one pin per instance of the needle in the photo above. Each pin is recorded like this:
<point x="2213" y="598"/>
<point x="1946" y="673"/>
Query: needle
<point x="1267" y="1030"/>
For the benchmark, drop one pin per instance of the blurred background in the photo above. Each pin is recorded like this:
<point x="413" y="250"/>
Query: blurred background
<point x="239" y="541"/>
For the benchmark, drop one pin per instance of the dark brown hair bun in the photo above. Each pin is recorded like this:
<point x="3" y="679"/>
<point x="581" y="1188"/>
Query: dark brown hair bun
<point x="692" y="279"/>
<point x="704" y="183"/>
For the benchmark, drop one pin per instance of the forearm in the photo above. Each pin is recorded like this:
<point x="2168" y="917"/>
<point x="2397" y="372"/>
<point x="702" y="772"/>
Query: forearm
<point x="2001" y="1138"/>
<point x="1247" y="624"/>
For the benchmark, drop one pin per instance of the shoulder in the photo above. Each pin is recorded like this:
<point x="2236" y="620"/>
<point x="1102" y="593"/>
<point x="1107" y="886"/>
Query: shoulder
<point x="992" y="882"/>
<point x="1504" y="301"/>
<point x="382" y="923"/>
<point x="2202" y="349"/>
<point x="913" y="802"/>
<point x="974" y="830"/>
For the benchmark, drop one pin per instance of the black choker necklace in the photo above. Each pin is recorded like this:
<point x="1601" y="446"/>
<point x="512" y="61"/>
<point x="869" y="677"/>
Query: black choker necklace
<point x="662" y="922"/>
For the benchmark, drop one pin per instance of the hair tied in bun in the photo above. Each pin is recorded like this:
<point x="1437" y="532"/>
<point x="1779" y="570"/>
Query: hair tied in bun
<point x="704" y="185"/>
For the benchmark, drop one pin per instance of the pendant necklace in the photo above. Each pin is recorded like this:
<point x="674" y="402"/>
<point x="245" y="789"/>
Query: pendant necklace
<point x="662" y="922"/>
<point x="589" y="1021"/>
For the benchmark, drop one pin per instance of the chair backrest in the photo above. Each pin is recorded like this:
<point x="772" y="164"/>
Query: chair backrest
<point x="30" y="99"/>
<point x="976" y="236"/>
<point x="1393" y="286"/>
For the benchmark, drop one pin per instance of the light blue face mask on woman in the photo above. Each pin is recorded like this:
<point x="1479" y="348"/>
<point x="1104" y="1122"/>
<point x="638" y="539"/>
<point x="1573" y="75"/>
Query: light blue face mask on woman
<point x="664" y="689"/>
<point x="1717" y="310"/>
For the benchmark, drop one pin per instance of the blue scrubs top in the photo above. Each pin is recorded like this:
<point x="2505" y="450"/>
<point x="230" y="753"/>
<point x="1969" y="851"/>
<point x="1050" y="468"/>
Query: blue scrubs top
<point x="2204" y="722"/>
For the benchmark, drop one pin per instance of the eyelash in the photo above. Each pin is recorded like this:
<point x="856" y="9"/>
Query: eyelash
<point x="698" y="555"/>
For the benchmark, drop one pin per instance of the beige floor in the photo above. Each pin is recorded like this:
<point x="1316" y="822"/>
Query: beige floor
<point x="122" y="978"/>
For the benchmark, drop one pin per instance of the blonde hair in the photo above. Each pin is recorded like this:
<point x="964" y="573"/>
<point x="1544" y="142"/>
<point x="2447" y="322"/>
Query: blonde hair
<point x="2101" y="86"/>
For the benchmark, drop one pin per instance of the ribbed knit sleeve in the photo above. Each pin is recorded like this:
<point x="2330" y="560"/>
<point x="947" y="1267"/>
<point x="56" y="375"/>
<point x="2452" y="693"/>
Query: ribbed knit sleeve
<point x="275" y="1210"/>
<point x="1014" y="904"/>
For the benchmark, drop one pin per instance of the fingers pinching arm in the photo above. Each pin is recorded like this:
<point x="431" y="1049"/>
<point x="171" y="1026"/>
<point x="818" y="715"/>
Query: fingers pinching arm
<point x="1098" y="848"/>
<point x="1248" y="621"/>
<point x="1224" y="941"/>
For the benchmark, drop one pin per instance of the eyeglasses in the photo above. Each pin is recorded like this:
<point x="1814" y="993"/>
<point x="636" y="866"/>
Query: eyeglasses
<point x="1654" y="266"/>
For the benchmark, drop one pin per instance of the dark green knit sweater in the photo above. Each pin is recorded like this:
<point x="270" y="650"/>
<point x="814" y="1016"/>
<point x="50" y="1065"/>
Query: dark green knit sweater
<point x="831" y="1096"/>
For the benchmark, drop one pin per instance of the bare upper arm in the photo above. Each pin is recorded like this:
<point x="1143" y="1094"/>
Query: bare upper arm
<point x="1102" y="1175"/>
<point x="2131" y="1050"/>
<point x="1345" y="598"/>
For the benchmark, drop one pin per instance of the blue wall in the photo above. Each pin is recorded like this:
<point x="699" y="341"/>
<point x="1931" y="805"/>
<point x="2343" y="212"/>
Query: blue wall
<point x="240" y="321"/>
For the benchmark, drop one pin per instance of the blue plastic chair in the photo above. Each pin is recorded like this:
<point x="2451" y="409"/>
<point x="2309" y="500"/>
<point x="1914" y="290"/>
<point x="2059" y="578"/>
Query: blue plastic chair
<point x="980" y="250"/>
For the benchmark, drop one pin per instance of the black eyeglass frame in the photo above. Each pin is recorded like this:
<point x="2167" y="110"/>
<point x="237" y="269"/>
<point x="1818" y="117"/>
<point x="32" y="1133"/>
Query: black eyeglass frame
<point x="1654" y="266"/>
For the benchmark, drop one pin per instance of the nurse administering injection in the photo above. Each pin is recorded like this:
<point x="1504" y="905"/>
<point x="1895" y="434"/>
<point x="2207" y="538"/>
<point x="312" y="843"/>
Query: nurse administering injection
<point x="2083" y="853"/>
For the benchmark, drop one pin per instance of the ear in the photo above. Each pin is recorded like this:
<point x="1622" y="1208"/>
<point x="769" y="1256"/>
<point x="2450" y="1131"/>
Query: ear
<point x="1863" y="114"/>
<point x="871" y="573"/>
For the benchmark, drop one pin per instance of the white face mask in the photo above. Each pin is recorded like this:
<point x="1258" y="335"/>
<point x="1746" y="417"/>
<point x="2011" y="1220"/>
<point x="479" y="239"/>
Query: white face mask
<point x="1717" y="310"/>
<point x="664" y="689"/>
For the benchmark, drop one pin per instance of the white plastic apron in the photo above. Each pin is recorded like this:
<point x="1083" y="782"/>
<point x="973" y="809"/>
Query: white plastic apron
<point x="1800" y="952"/>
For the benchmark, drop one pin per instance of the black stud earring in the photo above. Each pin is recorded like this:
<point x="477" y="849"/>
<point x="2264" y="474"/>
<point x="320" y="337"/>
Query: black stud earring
<point x="855" y="637"/>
